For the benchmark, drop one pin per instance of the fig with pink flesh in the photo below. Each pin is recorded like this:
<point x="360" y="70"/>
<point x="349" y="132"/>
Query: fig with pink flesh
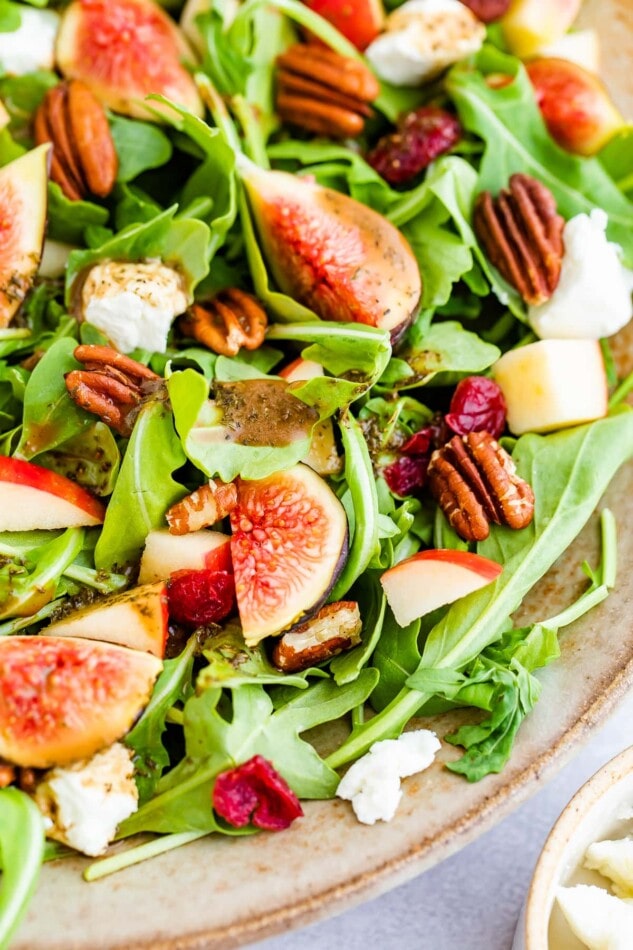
<point x="289" y="545"/>
<point x="63" y="699"/>
<point x="333" y="254"/>
<point x="125" y="50"/>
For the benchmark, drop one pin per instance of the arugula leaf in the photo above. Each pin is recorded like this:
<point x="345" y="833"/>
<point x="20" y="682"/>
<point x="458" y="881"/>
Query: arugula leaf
<point x="139" y="146"/>
<point x="569" y="471"/>
<point x="579" y="184"/>
<point x="372" y="604"/>
<point x="21" y="855"/>
<point x="69" y="220"/>
<point x="616" y="158"/>
<point x="254" y="726"/>
<point x="342" y="348"/>
<point x="145" y="488"/>
<point x="231" y="663"/>
<point x="29" y="584"/>
<point x="442" y="348"/>
<point x="91" y="458"/>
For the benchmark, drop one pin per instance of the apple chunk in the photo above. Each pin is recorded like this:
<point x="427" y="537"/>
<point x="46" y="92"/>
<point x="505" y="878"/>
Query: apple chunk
<point x="431" y="579"/>
<point x="64" y="699"/>
<point x="137" y="619"/>
<point x="531" y="24"/>
<point x="552" y="384"/>
<point x="33" y="497"/>
<point x="166" y="553"/>
<point x="23" y="203"/>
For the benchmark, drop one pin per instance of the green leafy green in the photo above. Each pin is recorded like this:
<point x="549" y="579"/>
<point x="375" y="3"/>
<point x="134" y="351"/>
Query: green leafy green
<point x="139" y="146"/>
<point x="444" y="348"/>
<point x="21" y="854"/>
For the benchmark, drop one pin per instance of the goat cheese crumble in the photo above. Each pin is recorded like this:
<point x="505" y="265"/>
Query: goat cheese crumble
<point x="422" y="38"/>
<point x="133" y="303"/>
<point x="601" y="921"/>
<point x="84" y="803"/>
<point x="613" y="859"/>
<point x="32" y="45"/>
<point x="593" y="296"/>
<point x="372" y="784"/>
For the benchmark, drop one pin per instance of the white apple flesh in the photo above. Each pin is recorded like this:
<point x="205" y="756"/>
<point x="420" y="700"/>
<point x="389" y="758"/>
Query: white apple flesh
<point x="552" y="384"/>
<point x="33" y="497"/>
<point x="136" y="619"/>
<point x="431" y="579"/>
<point x="166" y="553"/>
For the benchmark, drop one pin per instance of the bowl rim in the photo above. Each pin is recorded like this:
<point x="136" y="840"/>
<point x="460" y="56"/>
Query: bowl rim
<point x="540" y="895"/>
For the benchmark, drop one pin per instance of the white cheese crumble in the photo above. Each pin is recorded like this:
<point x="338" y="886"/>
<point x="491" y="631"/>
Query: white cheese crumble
<point x="32" y="45"/>
<point x="601" y="921"/>
<point x="422" y="38"/>
<point x="593" y="296"/>
<point x="372" y="784"/>
<point x="133" y="303"/>
<point x="84" y="803"/>
<point x="613" y="859"/>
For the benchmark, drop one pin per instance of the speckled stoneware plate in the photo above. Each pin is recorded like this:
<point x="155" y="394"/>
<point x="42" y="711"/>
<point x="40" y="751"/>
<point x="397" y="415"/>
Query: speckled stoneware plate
<point x="221" y="893"/>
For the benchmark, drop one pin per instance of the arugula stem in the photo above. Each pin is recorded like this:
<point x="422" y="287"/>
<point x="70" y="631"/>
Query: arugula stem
<point x="255" y="144"/>
<point x="609" y="540"/>
<point x="358" y="716"/>
<point x="175" y="716"/>
<point x="586" y="602"/>
<point x="621" y="392"/>
<point x="99" y="580"/>
<point x="214" y="102"/>
<point x="142" y="852"/>
<point x="19" y="623"/>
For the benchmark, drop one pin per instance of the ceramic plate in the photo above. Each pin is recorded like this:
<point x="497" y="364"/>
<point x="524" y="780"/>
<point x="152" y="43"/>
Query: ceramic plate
<point x="223" y="892"/>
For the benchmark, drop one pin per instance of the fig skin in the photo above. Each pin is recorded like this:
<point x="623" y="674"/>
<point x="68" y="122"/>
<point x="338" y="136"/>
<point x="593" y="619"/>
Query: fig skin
<point x="125" y="50"/>
<point x="289" y="545"/>
<point x="333" y="254"/>
<point x="63" y="699"/>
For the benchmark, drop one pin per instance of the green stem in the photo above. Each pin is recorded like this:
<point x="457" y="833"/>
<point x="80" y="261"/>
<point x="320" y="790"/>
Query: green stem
<point x="21" y="852"/>
<point x="609" y="539"/>
<point x="175" y="716"/>
<point x="621" y="392"/>
<point x="104" y="583"/>
<point x="305" y="17"/>
<point x="19" y="623"/>
<point x="142" y="852"/>
<point x="214" y="102"/>
<point x="253" y="138"/>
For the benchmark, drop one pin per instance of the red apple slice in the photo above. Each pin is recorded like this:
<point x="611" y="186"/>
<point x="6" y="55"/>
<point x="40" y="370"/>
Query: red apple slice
<point x="33" y="497"/>
<point x="166" y="553"/>
<point x="64" y="699"/>
<point x="23" y="202"/>
<point x="137" y="619"/>
<point x="430" y="579"/>
<point x="301" y="370"/>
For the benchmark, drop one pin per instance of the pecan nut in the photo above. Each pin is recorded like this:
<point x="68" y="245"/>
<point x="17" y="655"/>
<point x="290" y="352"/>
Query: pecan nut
<point x="522" y="235"/>
<point x="84" y="160"/>
<point x="111" y="385"/>
<point x="323" y="92"/>
<point x="335" y="628"/>
<point x="202" y="508"/>
<point x="475" y="483"/>
<point x="231" y="320"/>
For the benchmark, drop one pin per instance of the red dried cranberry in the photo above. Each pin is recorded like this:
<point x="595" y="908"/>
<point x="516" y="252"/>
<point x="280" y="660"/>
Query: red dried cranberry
<point x="200" y="597"/>
<point x="487" y="10"/>
<point x="420" y="443"/>
<point x="406" y="474"/>
<point x="255" y="791"/>
<point x="477" y="405"/>
<point x="422" y="136"/>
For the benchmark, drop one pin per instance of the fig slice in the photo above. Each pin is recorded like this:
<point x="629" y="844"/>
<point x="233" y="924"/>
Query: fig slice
<point x="333" y="254"/>
<point x="125" y="50"/>
<point x="289" y="545"/>
<point x="23" y="202"/>
<point x="63" y="699"/>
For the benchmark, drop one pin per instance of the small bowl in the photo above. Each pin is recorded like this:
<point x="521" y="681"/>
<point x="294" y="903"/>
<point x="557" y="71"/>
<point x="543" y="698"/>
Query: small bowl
<point x="592" y="815"/>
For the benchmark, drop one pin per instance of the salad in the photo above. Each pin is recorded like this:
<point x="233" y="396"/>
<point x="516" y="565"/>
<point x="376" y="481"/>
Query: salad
<point x="305" y="382"/>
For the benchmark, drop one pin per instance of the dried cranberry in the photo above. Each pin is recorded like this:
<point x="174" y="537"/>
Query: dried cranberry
<point x="406" y="474"/>
<point x="422" y="136"/>
<point x="420" y="442"/>
<point x="255" y="791"/>
<point x="477" y="405"/>
<point x="487" y="10"/>
<point x="200" y="597"/>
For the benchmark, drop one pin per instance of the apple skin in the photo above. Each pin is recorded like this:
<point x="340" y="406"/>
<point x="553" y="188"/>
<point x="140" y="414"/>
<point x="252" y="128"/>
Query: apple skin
<point x="136" y="619"/>
<point x="166" y="553"/>
<point x="431" y="579"/>
<point x="575" y="105"/>
<point x="301" y="370"/>
<point x="94" y="698"/>
<point x="34" y="497"/>
<point x="360" y="21"/>
<point x="531" y="24"/>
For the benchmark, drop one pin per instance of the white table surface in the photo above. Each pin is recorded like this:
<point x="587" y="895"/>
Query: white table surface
<point x="472" y="900"/>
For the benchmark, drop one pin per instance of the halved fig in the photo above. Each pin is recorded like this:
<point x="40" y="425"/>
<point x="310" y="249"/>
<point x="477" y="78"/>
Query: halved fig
<point x="332" y="253"/>
<point x="65" y="699"/>
<point x="124" y="50"/>
<point x="289" y="545"/>
<point x="135" y="618"/>
<point x="23" y="201"/>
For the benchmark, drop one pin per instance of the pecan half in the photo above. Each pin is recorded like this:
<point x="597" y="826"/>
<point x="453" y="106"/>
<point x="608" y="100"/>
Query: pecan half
<point x="475" y="482"/>
<point x="84" y="159"/>
<point x="231" y="320"/>
<point x="203" y="507"/>
<point x="522" y="235"/>
<point x="335" y="628"/>
<point x="323" y="92"/>
<point x="111" y="385"/>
